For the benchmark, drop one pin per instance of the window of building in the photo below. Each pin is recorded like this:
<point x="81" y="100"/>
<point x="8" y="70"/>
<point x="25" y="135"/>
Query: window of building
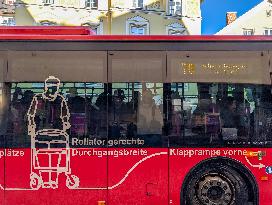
<point x="48" y="1"/>
<point x="137" y="29"/>
<point x="138" y="3"/>
<point x="91" y="3"/>
<point x="175" y="7"/>
<point x="137" y="26"/>
<point x="47" y="23"/>
<point x="96" y="28"/>
<point x="8" y="21"/>
<point x="268" y="31"/>
<point x="248" y="32"/>
<point x="176" y="29"/>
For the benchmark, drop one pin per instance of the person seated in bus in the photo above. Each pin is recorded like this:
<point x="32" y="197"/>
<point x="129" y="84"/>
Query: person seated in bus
<point x="230" y="119"/>
<point x="198" y="116"/>
<point x="228" y="113"/>
<point x="77" y="108"/>
<point x="16" y="118"/>
<point x="243" y="114"/>
<point x="118" y="115"/>
<point x="149" y="120"/>
<point x="134" y="102"/>
<point x="102" y="103"/>
<point x="92" y="112"/>
<point x="26" y="101"/>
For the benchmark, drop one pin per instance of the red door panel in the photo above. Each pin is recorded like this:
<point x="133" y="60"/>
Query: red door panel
<point x="139" y="179"/>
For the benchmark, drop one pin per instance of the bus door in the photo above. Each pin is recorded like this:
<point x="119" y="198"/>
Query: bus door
<point x="138" y="154"/>
<point x="56" y="133"/>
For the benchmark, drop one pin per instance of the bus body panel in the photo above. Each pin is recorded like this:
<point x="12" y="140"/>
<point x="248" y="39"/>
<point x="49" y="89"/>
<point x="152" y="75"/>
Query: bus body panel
<point x="139" y="186"/>
<point x="183" y="160"/>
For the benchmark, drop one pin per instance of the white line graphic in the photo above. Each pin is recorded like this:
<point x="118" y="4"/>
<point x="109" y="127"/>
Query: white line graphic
<point x="100" y="188"/>
<point x="126" y="175"/>
<point x="260" y="165"/>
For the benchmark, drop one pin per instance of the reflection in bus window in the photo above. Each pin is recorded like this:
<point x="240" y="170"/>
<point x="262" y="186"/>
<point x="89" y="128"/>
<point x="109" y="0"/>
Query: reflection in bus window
<point x="87" y="118"/>
<point x="217" y="114"/>
<point x="136" y="112"/>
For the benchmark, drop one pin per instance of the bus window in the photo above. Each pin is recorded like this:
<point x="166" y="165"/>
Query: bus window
<point x="84" y="104"/>
<point x="136" y="112"/>
<point x="136" y="109"/>
<point x="216" y="114"/>
<point x="79" y="97"/>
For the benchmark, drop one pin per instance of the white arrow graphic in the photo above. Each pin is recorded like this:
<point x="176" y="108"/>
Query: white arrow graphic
<point x="260" y="165"/>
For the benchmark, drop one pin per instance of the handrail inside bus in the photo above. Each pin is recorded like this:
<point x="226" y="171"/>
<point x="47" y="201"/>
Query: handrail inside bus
<point x="45" y="30"/>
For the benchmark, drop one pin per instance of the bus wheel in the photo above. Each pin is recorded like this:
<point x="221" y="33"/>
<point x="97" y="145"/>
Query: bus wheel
<point x="35" y="181"/>
<point x="215" y="184"/>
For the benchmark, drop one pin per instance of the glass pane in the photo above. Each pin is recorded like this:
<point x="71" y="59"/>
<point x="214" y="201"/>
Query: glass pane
<point x="136" y="115"/>
<point x="209" y="114"/>
<point x="78" y="104"/>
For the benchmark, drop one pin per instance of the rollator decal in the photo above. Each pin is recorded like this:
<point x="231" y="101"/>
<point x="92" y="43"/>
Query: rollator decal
<point x="54" y="143"/>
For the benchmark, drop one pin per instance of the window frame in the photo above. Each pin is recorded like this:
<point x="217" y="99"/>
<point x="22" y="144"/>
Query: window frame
<point x="138" y="4"/>
<point x="93" y="4"/>
<point x="137" y="21"/>
<point x="178" y="28"/>
<point x="48" y="2"/>
<point x="248" y="31"/>
<point x="268" y="30"/>
<point x="174" y="9"/>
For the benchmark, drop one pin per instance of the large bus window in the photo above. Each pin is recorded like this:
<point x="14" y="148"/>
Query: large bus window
<point x="84" y="105"/>
<point x="81" y="76"/>
<point x="204" y="114"/>
<point x="136" y="114"/>
<point x="136" y="108"/>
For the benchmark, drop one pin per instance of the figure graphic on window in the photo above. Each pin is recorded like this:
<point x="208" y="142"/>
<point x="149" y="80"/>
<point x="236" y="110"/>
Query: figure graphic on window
<point x="49" y="138"/>
<point x="49" y="109"/>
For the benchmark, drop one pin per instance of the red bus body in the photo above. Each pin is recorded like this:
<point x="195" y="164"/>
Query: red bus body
<point x="138" y="176"/>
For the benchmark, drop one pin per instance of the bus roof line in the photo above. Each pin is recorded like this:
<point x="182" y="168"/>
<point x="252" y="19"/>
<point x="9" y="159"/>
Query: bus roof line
<point x="130" y="38"/>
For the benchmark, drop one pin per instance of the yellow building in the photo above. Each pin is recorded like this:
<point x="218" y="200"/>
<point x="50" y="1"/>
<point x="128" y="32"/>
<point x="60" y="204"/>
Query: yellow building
<point x="125" y="17"/>
<point x="7" y="13"/>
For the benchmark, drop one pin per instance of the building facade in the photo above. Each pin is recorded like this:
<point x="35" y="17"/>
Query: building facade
<point x="257" y="21"/>
<point x="125" y="17"/>
<point x="7" y="13"/>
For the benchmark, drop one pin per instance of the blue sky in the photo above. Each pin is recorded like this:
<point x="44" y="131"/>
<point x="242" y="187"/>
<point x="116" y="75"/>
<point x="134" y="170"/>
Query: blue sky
<point x="214" y="12"/>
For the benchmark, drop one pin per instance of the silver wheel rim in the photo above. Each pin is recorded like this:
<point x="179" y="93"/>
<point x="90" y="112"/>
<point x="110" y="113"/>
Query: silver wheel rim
<point x="215" y="190"/>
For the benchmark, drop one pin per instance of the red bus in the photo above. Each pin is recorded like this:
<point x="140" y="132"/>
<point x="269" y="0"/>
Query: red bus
<point x="134" y="120"/>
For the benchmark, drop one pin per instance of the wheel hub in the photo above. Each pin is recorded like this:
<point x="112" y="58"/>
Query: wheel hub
<point x="215" y="190"/>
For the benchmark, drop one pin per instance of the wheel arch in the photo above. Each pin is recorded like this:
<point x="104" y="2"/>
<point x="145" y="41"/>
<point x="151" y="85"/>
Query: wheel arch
<point x="232" y="163"/>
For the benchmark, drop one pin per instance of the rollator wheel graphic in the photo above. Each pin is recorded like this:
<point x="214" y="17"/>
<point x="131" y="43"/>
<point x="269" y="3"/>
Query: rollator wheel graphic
<point x="72" y="181"/>
<point x="35" y="181"/>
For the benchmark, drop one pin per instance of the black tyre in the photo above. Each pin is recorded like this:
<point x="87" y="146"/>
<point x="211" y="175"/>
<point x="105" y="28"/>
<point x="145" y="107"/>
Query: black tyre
<point x="215" y="183"/>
